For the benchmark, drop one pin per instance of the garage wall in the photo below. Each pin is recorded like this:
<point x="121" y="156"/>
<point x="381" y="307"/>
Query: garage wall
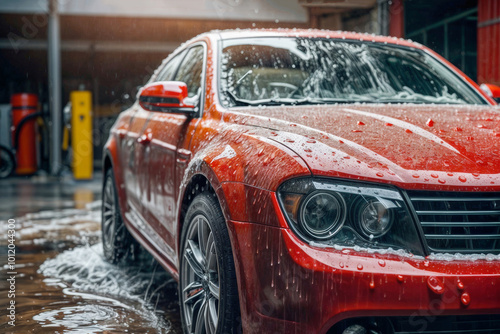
<point x="488" y="42"/>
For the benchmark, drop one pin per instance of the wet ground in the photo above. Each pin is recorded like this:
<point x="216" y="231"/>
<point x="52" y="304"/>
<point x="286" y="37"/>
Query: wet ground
<point x="62" y="283"/>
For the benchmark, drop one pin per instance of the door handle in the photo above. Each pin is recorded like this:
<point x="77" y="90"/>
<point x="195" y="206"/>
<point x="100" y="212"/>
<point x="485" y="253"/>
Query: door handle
<point x="145" y="138"/>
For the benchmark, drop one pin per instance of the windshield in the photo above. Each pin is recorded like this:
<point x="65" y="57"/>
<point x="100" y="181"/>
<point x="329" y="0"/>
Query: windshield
<point x="266" y="71"/>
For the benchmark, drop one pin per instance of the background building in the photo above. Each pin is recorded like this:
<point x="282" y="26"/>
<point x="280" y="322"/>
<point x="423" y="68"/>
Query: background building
<point x="111" y="47"/>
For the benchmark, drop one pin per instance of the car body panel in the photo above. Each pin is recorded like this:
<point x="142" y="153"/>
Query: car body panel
<point x="246" y="153"/>
<point x="412" y="146"/>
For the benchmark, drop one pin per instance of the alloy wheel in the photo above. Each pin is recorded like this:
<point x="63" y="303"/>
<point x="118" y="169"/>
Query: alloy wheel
<point x="200" y="286"/>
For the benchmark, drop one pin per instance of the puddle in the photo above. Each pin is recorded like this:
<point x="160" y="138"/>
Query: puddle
<point x="64" y="285"/>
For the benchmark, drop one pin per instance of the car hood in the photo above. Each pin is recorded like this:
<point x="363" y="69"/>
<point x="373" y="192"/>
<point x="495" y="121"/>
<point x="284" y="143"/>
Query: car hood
<point x="396" y="143"/>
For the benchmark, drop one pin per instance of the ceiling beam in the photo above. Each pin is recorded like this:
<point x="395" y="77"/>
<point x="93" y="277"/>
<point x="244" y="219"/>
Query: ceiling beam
<point x="348" y="4"/>
<point x="88" y="46"/>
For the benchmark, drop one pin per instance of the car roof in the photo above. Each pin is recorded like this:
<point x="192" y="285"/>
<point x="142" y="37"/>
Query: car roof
<point x="314" y="33"/>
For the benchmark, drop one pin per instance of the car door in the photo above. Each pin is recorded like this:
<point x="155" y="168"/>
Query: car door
<point x="168" y="133"/>
<point x="132" y="155"/>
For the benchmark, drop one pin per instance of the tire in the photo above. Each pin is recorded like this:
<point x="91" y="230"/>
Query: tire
<point x="208" y="292"/>
<point x="7" y="162"/>
<point x="117" y="243"/>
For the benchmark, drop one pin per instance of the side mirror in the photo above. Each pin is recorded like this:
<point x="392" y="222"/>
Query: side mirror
<point x="166" y="96"/>
<point x="492" y="91"/>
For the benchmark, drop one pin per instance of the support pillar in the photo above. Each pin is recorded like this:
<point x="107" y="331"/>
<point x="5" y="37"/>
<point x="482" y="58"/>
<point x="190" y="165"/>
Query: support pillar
<point x="55" y="87"/>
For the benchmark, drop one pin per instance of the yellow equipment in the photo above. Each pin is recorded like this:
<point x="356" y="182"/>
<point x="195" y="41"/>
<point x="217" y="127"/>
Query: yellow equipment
<point x="81" y="134"/>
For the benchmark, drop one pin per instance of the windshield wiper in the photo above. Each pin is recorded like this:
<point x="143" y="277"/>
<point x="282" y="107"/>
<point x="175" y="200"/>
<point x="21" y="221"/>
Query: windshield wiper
<point x="289" y="101"/>
<point x="420" y="100"/>
<point x="271" y="101"/>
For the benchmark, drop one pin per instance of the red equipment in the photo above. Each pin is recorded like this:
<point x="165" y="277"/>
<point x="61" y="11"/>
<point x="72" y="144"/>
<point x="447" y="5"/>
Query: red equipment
<point x="24" y="105"/>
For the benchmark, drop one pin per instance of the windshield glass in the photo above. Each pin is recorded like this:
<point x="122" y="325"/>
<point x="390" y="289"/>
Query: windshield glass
<point x="260" y="71"/>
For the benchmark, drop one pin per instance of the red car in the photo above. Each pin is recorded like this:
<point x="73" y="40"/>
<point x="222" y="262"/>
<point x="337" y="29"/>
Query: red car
<point x="304" y="181"/>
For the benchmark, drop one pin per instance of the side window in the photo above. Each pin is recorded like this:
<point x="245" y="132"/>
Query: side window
<point x="191" y="71"/>
<point x="167" y="73"/>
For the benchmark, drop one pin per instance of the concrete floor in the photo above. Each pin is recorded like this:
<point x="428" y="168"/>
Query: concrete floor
<point x="22" y="195"/>
<point x="63" y="284"/>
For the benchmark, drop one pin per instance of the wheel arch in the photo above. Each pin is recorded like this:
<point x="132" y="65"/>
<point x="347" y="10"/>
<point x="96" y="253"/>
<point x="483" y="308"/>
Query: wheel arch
<point x="200" y="178"/>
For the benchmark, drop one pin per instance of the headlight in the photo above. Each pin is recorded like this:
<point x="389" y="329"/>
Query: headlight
<point x="374" y="217"/>
<point x="344" y="213"/>
<point x="322" y="214"/>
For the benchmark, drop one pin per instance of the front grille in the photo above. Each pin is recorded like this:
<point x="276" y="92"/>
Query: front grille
<point x="459" y="222"/>
<point x="477" y="324"/>
<point x="429" y="324"/>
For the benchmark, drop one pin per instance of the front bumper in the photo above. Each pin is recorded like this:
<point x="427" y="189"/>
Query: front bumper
<point x="288" y="286"/>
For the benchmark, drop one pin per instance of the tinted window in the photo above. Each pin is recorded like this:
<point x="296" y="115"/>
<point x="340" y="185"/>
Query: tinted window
<point x="167" y="73"/>
<point x="191" y="71"/>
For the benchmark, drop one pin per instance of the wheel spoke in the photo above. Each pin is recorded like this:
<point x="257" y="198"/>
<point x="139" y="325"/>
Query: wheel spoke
<point x="212" y="315"/>
<point x="192" y="286"/>
<point x="109" y="193"/>
<point x="194" y="314"/>
<point x="107" y="228"/>
<point x="194" y="258"/>
<point x="200" y="319"/>
<point x="194" y="298"/>
<point x="108" y="212"/>
<point x="202" y="235"/>
<point x="214" y="289"/>
<point x="210" y="253"/>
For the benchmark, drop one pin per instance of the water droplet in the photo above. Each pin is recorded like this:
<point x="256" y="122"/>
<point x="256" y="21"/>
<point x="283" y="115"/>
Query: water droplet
<point x="361" y="123"/>
<point x="441" y="181"/>
<point x="460" y="285"/>
<point x="435" y="176"/>
<point x="341" y="264"/>
<point x="408" y="131"/>
<point x="416" y="176"/>
<point x="340" y="141"/>
<point x="308" y="150"/>
<point x="400" y="278"/>
<point x="379" y="174"/>
<point x="430" y="122"/>
<point x="360" y="266"/>
<point x="465" y="298"/>
<point x="372" y="285"/>
<point x="293" y="124"/>
<point x="381" y="263"/>
<point x="356" y="131"/>
<point x="462" y="178"/>
<point x="388" y="124"/>
<point x="457" y="129"/>
<point x="435" y="285"/>
<point x="311" y="141"/>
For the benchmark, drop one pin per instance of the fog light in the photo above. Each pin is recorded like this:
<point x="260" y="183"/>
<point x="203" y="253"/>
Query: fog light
<point x="355" y="329"/>
<point x="322" y="214"/>
<point x="374" y="219"/>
